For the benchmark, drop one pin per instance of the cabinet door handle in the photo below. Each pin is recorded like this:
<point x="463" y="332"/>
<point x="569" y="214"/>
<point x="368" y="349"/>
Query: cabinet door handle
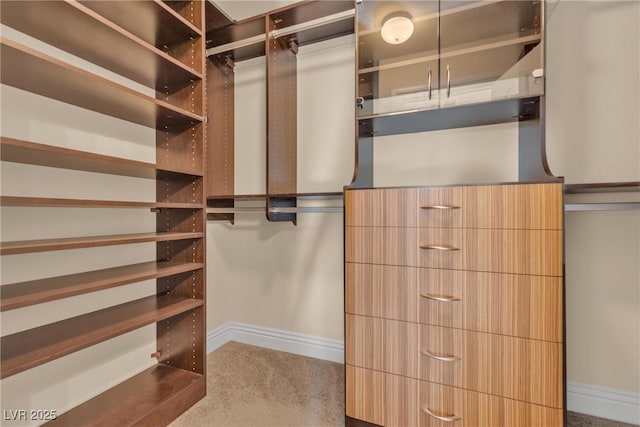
<point x="429" y="80"/>
<point x="443" y="298"/>
<point x="439" y="207"/>
<point x="440" y="247"/>
<point x="448" y="81"/>
<point x="446" y="418"/>
<point x="442" y="357"/>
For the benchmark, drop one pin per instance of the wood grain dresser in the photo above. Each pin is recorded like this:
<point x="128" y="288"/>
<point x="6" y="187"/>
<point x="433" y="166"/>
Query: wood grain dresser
<point x="454" y="306"/>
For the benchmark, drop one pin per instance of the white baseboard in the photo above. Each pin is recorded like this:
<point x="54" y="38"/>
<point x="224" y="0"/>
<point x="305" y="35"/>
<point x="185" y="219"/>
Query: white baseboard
<point x="603" y="402"/>
<point x="275" y="339"/>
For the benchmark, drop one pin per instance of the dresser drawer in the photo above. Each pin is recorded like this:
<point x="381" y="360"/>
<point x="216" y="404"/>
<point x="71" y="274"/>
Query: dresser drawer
<point x="364" y="341"/>
<point x="381" y="291"/>
<point x="411" y="402"/>
<point x="518" y="206"/>
<point x="515" y="368"/>
<point x="364" y="245"/>
<point x="365" y="395"/>
<point x="537" y="252"/>
<point x="508" y="304"/>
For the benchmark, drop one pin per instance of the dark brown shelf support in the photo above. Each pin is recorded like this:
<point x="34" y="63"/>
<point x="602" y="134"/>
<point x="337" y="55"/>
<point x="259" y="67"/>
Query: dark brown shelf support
<point x="281" y="123"/>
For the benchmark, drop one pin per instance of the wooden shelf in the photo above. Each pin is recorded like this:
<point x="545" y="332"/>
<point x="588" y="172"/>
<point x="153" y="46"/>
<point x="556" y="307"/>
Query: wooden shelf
<point x="137" y="400"/>
<point x="603" y="187"/>
<point x="109" y="46"/>
<point x="31" y="246"/>
<point x="24" y="350"/>
<point x="153" y="21"/>
<point x="486" y="113"/>
<point x="33" y="71"/>
<point x="85" y="203"/>
<point x="32" y="153"/>
<point x="33" y="292"/>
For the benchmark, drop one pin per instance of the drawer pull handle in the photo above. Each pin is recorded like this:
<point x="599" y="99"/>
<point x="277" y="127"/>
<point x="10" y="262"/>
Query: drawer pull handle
<point x="445" y="418"/>
<point x="443" y="298"/>
<point x="440" y="357"/>
<point x="439" y="207"/>
<point x="440" y="247"/>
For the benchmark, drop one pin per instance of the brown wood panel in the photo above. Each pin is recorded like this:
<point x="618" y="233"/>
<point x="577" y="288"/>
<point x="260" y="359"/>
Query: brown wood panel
<point x="401" y="346"/>
<point x="402" y="401"/>
<point x="364" y="342"/>
<point x="442" y="299"/>
<point x="364" y="245"/>
<point x="441" y="352"/>
<point x="118" y="50"/>
<point x="181" y="149"/>
<point x="518" y="305"/>
<point x="23" y="294"/>
<point x="160" y="390"/>
<point x="27" y="349"/>
<point x="365" y="395"/>
<point x="220" y="148"/>
<point x="30" y="70"/>
<point x="507" y="304"/>
<point x="30" y="246"/>
<point x="441" y="206"/>
<point x="181" y="341"/>
<point x="401" y="246"/>
<point x="522" y="206"/>
<point x="516" y="368"/>
<point x="153" y="21"/>
<point x="86" y="203"/>
<point x="441" y="401"/>
<point x="399" y="207"/>
<point x="484" y="410"/>
<point x="537" y="252"/>
<point x="27" y="152"/>
<point x="364" y="207"/>
<point x="281" y="115"/>
<point x="381" y="291"/>
<point x="407" y="399"/>
<point x="191" y="10"/>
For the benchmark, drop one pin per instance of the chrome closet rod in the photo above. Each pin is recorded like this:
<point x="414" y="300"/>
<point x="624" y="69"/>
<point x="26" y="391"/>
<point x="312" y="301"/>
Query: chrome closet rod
<point x="614" y="206"/>
<point x="315" y="23"/>
<point x="260" y="209"/>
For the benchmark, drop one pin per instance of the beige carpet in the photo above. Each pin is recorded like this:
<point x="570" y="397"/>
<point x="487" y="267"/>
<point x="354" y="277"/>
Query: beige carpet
<point x="250" y="386"/>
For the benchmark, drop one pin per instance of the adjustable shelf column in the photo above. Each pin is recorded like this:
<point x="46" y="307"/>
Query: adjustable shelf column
<point x="160" y="45"/>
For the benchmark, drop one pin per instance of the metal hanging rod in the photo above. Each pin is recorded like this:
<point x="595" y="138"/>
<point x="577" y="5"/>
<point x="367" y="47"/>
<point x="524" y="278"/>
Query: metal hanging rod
<point x="261" y="210"/>
<point x="618" y="206"/>
<point x="261" y="38"/>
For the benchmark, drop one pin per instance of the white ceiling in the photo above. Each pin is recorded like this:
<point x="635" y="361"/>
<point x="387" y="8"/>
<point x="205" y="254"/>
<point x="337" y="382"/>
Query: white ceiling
<point x="241" y="9"/>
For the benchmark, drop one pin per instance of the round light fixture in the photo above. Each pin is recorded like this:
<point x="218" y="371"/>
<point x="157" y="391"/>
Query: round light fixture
<point x="397" y="28"/>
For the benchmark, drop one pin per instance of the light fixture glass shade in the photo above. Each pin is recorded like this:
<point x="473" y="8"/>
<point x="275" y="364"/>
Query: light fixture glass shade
<point x="397" y="29"/>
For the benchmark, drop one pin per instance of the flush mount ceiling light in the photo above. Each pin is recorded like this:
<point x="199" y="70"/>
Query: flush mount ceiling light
<point x="397" y="28"/>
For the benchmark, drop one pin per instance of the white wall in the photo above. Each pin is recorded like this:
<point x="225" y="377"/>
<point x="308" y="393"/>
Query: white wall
<point x="593" y="135"/>
<point x="65" y="382"/>
<point x="277" y="275"/>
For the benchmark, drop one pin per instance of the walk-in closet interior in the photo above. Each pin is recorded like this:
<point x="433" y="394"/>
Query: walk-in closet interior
<point x="441" y="196"/>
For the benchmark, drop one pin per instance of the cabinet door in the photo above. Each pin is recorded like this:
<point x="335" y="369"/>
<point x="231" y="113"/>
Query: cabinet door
<point x="395" y="74"/>
<point x="489" y="50"/>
